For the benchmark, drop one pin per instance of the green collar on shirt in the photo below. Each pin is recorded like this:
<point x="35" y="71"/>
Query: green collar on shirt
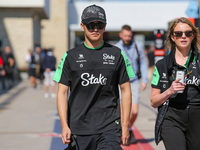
<point x="95" y="47"/>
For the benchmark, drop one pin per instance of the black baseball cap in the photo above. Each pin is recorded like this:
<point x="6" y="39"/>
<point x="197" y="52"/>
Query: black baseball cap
<point x="93" y="13"/>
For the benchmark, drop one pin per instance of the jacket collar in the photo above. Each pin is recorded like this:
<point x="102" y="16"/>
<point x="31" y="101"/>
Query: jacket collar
<point x="171" y="57"/>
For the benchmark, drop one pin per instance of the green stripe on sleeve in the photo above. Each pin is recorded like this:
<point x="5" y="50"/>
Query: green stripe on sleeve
<point x="129" y="68"/>
<point x="58" y="73"/>
<point x="155" y="77"/>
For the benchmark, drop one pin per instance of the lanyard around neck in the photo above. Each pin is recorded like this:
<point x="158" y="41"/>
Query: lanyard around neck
<point x="186" y="65"/>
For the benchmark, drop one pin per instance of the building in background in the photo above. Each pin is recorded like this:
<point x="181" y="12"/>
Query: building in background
<point x="54" y="32"/>
<point x="25" y="24"/>
<point x="144" y="16"/>
<point x="20" y="26"/>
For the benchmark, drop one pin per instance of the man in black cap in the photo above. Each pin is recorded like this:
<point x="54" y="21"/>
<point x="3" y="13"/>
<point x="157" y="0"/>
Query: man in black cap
<point x="90" y="118"/>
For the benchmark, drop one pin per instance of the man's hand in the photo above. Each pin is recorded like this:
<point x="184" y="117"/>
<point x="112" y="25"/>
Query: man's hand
<point x="3" y="73"/>
<point x="125" y="135"/>
<point x="48" y="70"/>
<point x="62" y="95"/>
<point x="66" y="135"/>
<point x="143" y="86"/>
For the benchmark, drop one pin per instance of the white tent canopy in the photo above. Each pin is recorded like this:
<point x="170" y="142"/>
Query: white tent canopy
<point x="141" y="16"/>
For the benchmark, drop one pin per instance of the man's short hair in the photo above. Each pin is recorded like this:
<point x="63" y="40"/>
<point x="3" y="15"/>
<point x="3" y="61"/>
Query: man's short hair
<point x="126" y="27"/>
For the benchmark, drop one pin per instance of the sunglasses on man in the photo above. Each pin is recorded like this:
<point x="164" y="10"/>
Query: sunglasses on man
<point x="91" y="26"/>
<point x="180" y="33"/>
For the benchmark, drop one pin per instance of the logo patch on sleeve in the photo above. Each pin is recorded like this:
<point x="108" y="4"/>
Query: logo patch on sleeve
<point x="155" y="77"/>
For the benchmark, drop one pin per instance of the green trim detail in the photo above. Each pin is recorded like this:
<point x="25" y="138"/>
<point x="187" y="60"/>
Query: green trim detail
<point x="117" y="122"/>
<point x="155" y="77"/>
<point x="194" y="59"/>
<point x="58" y="73"/>
<point x="94" y="48"/>
<point x="129" y="68"/>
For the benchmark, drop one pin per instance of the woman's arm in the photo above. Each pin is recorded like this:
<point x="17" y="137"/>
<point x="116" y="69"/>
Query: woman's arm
<point x="158" y="98"/>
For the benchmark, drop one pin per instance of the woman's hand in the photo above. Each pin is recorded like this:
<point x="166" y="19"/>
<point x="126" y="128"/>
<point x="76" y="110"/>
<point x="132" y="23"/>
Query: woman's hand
<point x="176" y="86"/>
<point x="158" y="98"/>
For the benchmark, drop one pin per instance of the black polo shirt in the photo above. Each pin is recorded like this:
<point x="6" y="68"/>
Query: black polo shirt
<point x="93" y="76"/>
<point x="191" y="93"/>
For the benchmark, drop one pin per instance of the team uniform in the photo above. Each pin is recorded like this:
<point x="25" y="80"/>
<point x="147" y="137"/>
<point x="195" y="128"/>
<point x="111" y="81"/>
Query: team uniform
<point x="182" y="120"/>
<point x="93" y="75"/>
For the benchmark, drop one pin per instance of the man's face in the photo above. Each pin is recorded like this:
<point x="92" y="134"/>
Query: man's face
<point x="38" y="49"/>
<point x="7" y="50"/>
<point x="93" y="34"/>
<point x="126" y="36"/>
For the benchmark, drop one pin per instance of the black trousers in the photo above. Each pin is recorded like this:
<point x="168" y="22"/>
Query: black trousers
<point x="181" y="128"/>
<point x="109" y="140"/>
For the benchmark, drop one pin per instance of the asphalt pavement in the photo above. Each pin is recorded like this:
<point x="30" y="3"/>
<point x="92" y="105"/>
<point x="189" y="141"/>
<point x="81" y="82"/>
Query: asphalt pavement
<point x="30" y="121"/>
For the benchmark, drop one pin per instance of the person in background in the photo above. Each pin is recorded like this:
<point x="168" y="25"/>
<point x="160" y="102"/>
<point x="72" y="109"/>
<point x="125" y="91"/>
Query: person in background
<point x="151" y="60"/>
<point x="90" y="119"/>
<point x="39" y="70"/>
<point x="44" y="52"/>
<point x="30" y="60"/>
<point x="48" y="65"/>
<point x="130" y="47"/>
<point x="2" y="71"/>
<point x="34" y="60"/>
<point x="9" y="66"/>
<point x="176" y="89"/>
<point x="166" y="50"/>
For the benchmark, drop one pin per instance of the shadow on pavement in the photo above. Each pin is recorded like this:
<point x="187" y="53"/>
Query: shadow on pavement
<point x="11" y="97"/>
<point x="5" y="91"/>
<point x="145" y="140"/>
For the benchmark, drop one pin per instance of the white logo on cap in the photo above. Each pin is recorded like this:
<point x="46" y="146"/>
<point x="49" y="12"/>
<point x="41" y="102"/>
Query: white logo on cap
<point x="101" y="15"/>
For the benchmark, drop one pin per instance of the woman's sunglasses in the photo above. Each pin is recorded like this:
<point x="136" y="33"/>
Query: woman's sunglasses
<point x="180" y="33"/>
<point x="99" y="25"/>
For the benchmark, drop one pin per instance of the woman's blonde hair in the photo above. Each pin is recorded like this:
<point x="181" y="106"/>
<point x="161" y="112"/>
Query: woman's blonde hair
<point x="196" y="41"/>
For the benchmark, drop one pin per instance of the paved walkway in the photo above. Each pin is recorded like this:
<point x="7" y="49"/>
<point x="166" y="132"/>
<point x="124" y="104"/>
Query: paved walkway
<point x="29" y="121"/>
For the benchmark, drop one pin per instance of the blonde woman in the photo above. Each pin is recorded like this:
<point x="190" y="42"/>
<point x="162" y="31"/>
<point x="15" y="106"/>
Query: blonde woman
<point x="176" y="89"/>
